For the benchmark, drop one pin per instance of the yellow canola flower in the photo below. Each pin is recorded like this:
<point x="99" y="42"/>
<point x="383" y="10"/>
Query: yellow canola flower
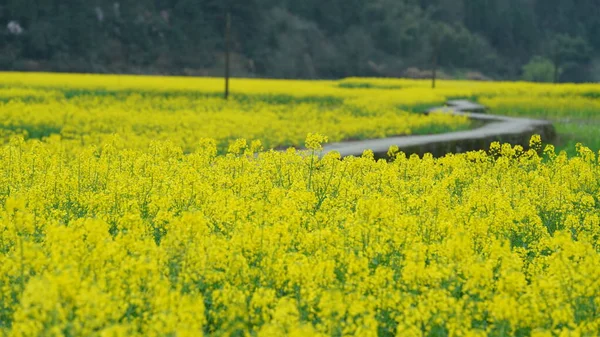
<point x="112" y="241"/>
<point x="132" y="207"/>
<point x="79" y="111"/>
<point x="315" y="141"/>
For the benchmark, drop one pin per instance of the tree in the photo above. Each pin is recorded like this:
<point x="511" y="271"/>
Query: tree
<point x="539" y="69"/>
<point x="568" y="52"/>
<point x="309" y="38"/>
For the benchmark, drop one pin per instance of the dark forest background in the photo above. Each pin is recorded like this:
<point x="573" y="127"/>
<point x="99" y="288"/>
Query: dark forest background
<point x="540" y="40"/>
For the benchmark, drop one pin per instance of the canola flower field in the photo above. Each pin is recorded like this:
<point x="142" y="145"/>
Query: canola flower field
<point x="90" y="109"/>
<point x="109" y="228"/>
<point x="573" y="108"/>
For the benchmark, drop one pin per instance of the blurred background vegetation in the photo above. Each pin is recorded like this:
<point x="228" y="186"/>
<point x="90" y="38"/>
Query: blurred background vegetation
<point x="538" y="40"/>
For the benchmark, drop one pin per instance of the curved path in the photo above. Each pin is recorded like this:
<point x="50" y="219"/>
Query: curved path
<point x="496" y="128"/>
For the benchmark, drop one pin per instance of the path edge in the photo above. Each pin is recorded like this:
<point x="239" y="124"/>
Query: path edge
<point x="496" y="128"/>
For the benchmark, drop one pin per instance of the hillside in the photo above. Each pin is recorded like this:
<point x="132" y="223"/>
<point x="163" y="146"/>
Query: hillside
<point x="502" y="39"/>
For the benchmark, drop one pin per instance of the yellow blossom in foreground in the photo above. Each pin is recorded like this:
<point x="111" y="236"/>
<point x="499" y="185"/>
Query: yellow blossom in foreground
<point x="120" y="242"/>
<point x="135" y="206"/>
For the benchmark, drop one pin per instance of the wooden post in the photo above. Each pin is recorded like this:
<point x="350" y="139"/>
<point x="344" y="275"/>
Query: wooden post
<point x="434" y="70"/>
<point x="227" y="52"/>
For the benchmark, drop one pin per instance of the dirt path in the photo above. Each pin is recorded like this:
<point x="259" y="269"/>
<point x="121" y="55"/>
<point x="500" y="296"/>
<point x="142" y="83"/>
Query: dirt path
<point x="496" y="128"/>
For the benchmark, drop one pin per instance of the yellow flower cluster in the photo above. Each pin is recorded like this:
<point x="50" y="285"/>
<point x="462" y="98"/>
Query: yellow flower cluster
<point x="135" y="206"/>
<point x="577" y="108"/>
<point x="79" y="110"/>
<point x="105" y="241"/>
<point x="575" y="101"/>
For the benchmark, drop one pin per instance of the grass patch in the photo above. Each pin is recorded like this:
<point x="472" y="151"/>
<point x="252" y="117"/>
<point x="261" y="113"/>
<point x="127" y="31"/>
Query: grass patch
<point x="437" y="129"/>
<point x="420" y="108"/>
<point x="472" y="98"/>
<point x="571" y="133"/>
<point x="550" y="114"/>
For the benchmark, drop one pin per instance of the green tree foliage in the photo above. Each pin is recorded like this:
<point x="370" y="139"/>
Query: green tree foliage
<point x="570" y="55"/>
<point x="539" y="69"/>
<point x="302" y="39"/>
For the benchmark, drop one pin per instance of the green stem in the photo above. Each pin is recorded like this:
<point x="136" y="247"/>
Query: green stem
<point x="22" y="258"/>
<point x="310" y="170"/>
